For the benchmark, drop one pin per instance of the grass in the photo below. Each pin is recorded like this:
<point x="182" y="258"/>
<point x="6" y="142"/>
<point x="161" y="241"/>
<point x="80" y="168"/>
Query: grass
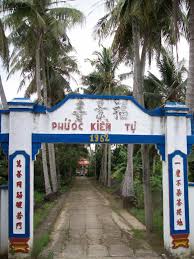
<point x="41" y="213"/>
<point x="157" y="219"/>
<point x="39" y="244"/>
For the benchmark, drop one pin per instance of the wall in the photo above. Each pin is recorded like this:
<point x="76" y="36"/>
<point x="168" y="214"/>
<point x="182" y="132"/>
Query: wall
<point x="3" y="220"/>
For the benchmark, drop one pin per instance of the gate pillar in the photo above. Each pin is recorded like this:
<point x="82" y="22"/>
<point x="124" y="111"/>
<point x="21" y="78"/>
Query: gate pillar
<point x="21" y="176"/>
<point x="175" y="180"/>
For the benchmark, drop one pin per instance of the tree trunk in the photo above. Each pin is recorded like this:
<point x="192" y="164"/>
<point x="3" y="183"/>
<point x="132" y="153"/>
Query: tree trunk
<point x="127" y="186"/>
<point x="147" y="188"/>
<point x="45" y="170"/>
<point x="2" y="95"/>
<point x="105" y="164"/>
<point x="51" y="148"/>
<point x="109" y="164"/>
<point x="38" y="85"/>
<point x="139" y="69"/>
<point x="128" y="194"/>
<point x="190" y="85"/>
<point x="53" y="172"/>
<point x="38" y="78"/>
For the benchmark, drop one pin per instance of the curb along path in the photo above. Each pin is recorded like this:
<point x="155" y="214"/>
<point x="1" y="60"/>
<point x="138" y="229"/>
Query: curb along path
<point x="87" y="228"/>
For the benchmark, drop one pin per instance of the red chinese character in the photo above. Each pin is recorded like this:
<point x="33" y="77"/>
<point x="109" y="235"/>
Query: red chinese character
<point x="19" y="184"/>
<point x="178" y="193"/>
<point x="178" y="172"/>
<point x="179" y="212"/>
<point x="19" y="225"/>
<point x="19" y="215"/>
<point x="19" y="195"/>
<point x="19" y="174"/>
<point x="19" y="204"/>
<point x="18" y="163"/>
<point x="179" y="202"/>
<point x="179" y="222"/>
<point x="178" y="182"/>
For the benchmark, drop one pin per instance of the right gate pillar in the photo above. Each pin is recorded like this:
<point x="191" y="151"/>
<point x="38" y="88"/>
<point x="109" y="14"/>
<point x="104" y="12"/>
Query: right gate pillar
<point x="175" y="181"/>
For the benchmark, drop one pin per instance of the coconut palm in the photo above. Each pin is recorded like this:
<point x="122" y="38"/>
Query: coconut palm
<point x="4" y="55"/>
<point x="172" y="84"/>
<point x="103" y="81"/>
<point x="138" y="28"/>
<point x="36" y="27"/>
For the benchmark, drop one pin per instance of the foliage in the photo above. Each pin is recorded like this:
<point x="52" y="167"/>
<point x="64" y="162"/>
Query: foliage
<point x="103" y="79"/>
<point x="39" y="244"/>
<point x="171" y="86"/>
<point x="3" y="168"/>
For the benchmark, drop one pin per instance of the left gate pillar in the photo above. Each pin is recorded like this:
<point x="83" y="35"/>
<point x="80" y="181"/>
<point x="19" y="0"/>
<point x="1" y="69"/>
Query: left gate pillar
<point x="21" y="177"/>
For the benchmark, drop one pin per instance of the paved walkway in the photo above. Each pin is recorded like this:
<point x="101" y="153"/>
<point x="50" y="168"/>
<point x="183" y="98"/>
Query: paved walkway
<point x="86" y="229"/>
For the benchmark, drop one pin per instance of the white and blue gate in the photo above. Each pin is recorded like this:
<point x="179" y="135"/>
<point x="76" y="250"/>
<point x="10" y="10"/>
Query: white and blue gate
<point x="97" y="119"/>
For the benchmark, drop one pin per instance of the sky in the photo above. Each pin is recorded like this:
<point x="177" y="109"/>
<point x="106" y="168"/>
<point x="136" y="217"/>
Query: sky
<point x="82" y="39"/>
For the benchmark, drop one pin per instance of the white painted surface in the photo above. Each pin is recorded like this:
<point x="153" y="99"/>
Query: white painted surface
<point x="176" y="139"/>
<point x="21" y="125"/>
<point x="131" y="116"/>
<point x="191" y="216"/>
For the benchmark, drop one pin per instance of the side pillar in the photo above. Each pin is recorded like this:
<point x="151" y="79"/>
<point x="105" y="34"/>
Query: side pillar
<point x="21" y="178"/>
<point x="175" y="181"/>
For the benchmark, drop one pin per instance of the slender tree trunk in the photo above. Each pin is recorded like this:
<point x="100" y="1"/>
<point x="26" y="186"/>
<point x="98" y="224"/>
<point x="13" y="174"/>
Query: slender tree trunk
<point x="190" y="85"/>
<point x="53" y="172"/>
<point x="109" y="164"/>
<point x="127" y="186"/>
<point x="51" y="148"/>
<point x="139" y="69"/>
<point x="38" y="78"/>
<point x="147" y="188"/>
<point x="2" y="95"/>
<point x="105" y="164"/>
<point x="45" y="170"/>
<point x="38" y="85"/>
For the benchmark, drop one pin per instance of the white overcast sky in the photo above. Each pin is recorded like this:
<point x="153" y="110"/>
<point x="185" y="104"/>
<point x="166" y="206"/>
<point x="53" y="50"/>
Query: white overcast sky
<point x="83" y="41"/>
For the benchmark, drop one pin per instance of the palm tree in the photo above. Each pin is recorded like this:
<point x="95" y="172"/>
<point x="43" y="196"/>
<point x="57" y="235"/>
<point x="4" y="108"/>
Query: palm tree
<point x="103" y="81"/>
<point x="36" y="27"/>
<point x="190" y="85"/>
<point x="138" y="28"/>
<point x="171" y="86"/>
<point x="4" y="55"/>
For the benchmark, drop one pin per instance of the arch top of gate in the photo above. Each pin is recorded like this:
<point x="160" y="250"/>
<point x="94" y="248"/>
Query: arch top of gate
<point x="154" y="112"/>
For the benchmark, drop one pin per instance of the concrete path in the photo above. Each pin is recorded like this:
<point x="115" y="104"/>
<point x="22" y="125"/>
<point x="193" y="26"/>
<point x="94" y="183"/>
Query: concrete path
<point x="87" y="228"/>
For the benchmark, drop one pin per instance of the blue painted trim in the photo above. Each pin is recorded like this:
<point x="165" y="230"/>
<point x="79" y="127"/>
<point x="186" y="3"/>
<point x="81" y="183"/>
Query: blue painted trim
<point x="190" y="140"/>
<point x="161" y="148"/>
<point x="39" y="108"/>
<point x="85" y="138"/>
<point x="191" y="184"/>
<point x="27" y="195"/>
<point x="21" y="109"/>
<point x="0" y="122"/>
<point x="174" y="114"/>
<point x="35" y="149"/>
<point x="4" y="137"/>
<point x="3" y="187"/>
<point x="21" y="103"/>
<point x="171" y="195"/>
<point x="156" y="112"/>
<point x="4" y="111"/>
<point x="167" y="108"/>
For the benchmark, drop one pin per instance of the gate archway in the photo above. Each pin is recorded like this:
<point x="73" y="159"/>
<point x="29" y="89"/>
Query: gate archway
<point x="97" y="119"/>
